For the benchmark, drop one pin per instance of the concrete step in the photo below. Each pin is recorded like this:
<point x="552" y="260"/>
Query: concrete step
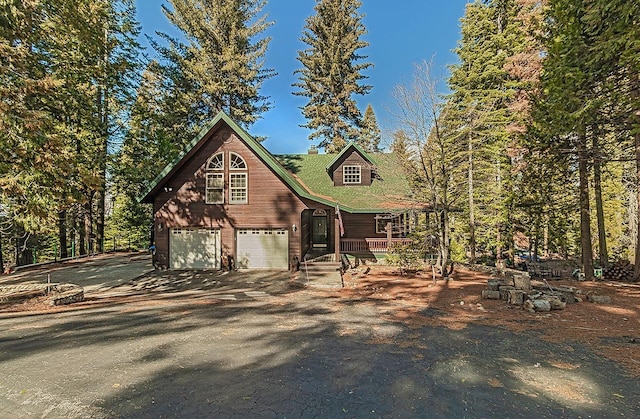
<point x="321" y="274"/>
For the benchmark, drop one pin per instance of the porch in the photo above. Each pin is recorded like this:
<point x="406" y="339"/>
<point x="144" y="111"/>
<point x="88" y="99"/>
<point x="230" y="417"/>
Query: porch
<point x="370" y="245"/>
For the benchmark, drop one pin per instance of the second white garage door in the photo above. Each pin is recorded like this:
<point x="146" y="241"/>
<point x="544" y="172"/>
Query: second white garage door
<point x="194" y="248"/>
<point x="262" y="248"/>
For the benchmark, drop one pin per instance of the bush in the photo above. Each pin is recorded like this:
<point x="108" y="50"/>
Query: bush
<point x="405" y="256"/>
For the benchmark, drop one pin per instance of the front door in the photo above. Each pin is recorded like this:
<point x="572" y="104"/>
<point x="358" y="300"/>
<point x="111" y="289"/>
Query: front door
<point x="319" y="232"/>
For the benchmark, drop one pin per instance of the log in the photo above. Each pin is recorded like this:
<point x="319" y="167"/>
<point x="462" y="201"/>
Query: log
<point x="567" y="294"/>
<point x="554" y="302"/>
<point x="537" y="305"/>
<point x="491" y="295"/>
<point x="599" y="299"/>
<point x="516" y="297"/>
<point x="504" y="291"/>
<point x="522" y="282"/>
<point x="493" y="284"/>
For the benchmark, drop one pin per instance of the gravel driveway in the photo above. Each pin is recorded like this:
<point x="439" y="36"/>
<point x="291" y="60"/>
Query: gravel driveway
<point x="240" y="344"/>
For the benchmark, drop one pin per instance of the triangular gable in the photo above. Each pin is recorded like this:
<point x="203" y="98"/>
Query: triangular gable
<point x="345" y="150"/>
<point x="201" y="138"/>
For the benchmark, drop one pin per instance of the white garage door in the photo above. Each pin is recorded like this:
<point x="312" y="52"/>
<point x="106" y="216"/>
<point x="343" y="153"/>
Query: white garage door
<point x="262" y="248"/>
<point x="194" y="248"/>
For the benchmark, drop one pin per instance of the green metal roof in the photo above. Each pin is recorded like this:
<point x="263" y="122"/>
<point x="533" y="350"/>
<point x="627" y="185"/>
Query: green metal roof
<point x="389" y="189"/>
<point x="306" y="174"/>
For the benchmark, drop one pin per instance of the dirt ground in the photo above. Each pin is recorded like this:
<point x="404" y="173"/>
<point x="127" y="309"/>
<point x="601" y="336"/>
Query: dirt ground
<point x="611" y="330"/>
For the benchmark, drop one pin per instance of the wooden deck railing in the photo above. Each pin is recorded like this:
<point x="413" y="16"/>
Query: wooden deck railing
<point x="372" y="245"/>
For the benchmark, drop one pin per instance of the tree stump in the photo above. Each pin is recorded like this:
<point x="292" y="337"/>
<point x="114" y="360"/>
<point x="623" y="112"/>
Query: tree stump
<point x="493" y="284"/>
<point x="516" y="297"/>
<point x="491" y="294"/>
<point x="522" y="282"/>
<point x="504" y="291"/>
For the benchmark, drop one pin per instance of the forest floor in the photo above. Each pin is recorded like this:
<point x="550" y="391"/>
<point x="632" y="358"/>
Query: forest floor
<point x="611" y="330"/>
<point x="384" y="345"/>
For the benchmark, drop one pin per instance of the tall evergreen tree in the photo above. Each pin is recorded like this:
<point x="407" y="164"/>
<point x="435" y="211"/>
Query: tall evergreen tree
<point x="612" y="31"/>
<point x="369" y="137"/>
<point x="482" y="91"/>
<point x="221" y="65"/>
<point x="332" y="72"/>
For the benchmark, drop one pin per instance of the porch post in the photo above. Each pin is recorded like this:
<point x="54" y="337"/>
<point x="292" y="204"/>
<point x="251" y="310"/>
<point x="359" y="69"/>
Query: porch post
<point x="336" y="234"/>
<point x="389" y="236"/>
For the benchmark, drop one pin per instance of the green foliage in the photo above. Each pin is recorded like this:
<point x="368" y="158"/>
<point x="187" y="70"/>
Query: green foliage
<point x="331" y="72"/>
<point x="407" y="257"/>
<point x="369" y="138"/>
<point x="221" y="65"/>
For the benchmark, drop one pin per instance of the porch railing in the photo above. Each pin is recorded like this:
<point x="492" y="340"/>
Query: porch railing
<point x="373" y="245"/>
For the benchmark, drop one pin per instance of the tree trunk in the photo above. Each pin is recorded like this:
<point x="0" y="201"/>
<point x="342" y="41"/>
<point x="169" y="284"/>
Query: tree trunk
<point x="444" y="244"/>
<point x="597" y="186"/>
<point x="88" y="227"/>
<point x="585" y="218"/>
<point x="472" y="218"/>
<point x="99" y="241"/>
<point x="1" y="260"/>
<point x="78" y="229"/>
<point x="62" y="233"/>
<point x="635" y="94"/>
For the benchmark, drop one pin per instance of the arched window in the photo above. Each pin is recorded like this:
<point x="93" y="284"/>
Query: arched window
<point x="216" y="162"/>
<point x="215" y="179"/>
<point x="238" y="180"/>
<point x="236" y="162"/>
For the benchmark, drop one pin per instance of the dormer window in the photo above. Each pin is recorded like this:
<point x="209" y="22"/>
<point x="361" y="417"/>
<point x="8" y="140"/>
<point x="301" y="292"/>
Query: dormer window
<point x="351" y="175"/>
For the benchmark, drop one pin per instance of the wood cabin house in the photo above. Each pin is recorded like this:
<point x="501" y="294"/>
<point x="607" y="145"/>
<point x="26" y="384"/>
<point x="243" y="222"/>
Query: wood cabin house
<point x="227" y="199"/>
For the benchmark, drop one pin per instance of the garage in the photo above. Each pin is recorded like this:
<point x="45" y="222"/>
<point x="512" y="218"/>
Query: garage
<point x="262" y="248"/>
<point x="194" y="248"/>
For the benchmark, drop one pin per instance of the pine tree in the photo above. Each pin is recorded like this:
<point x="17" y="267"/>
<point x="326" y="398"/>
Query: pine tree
<point x="482" y="92"/>
<point x="221" y="67"/>
<point x="331" y="72"/>
<point x="569" y="110"/>
<point x="611" y="34"/>
<point x="369" y="138"/>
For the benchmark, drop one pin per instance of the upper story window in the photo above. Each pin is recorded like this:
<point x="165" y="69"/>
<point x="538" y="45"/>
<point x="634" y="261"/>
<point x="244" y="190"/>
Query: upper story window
<point x="351" y="174"/>
<point x="216" y="162"/>
<point x="214" y="193"/>
<point x="238" y="180"/>
<point x="237" y="162"/>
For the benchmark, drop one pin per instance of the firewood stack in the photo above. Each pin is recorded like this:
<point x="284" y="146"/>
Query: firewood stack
<point x="532" y="297"/>
<point x="618" y="271"/>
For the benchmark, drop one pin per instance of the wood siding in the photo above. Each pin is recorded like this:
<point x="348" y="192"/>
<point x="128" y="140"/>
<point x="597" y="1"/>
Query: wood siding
<point x="181" y="203"/>
<point x="359" y="226"/>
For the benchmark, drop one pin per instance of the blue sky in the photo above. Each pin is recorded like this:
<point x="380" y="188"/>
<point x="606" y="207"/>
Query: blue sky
<point x="401" y="34"/>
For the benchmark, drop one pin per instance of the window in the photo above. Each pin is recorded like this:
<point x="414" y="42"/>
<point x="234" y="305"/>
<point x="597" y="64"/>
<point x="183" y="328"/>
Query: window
<point x="238" y="188"/>
<point x="237" y="162"/>
<point x="215" y="179"/>
<point x="351" y="174"/>
<point x="215" y="188"/>
<point x="400" y="224"/>
<point x="216" y="162"/>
